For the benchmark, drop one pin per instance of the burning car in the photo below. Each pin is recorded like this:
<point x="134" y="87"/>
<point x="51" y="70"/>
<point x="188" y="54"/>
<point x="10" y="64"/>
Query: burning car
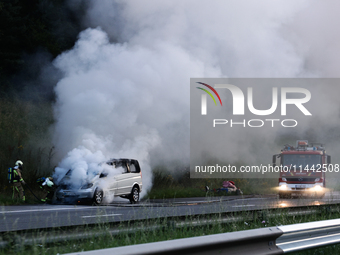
<point x="118" y="178"/>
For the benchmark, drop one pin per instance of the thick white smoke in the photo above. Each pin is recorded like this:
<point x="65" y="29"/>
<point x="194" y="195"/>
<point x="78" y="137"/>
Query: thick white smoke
<point x="84" y="164"/>
<point x="111" y="99"/>
<point x="125" y="90"/>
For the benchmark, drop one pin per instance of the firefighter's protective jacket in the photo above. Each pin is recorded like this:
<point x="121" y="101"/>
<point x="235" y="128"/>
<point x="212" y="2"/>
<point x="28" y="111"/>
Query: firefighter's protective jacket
<point x="17" y="175"/>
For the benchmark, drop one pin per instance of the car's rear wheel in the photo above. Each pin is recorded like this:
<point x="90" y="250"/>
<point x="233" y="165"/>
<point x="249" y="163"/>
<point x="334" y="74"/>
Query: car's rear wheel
<point x="98" y="197"/>
<point x="134" y="196"/>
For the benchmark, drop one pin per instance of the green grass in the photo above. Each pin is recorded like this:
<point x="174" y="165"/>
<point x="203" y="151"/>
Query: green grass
<point x="6" y="197"/>
<point x="25" y="135"/>
<point x="196" y="188"/>
<point x="178" y="184"/>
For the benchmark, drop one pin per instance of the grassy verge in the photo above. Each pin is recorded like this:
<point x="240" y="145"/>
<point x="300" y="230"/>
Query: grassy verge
<point x="170" y="232"/>
<point x="168" y="185"/>
<point x="6" y="197"/>
<point x="25" y="135"/>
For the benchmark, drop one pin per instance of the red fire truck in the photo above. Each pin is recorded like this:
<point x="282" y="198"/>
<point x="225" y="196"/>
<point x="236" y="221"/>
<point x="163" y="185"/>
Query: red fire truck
<point x="302" y="169"/>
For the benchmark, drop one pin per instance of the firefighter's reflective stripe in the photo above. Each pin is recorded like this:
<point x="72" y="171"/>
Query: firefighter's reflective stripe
<point x="18" y="180"/>
<point x="17" y="187"/>
<point x="16" y="176"/>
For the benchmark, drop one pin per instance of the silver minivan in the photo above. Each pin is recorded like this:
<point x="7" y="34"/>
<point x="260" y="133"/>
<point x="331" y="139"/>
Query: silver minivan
<point x="119" y="178"/>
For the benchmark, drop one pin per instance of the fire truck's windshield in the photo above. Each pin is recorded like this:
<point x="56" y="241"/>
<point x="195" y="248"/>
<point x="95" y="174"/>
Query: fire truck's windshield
<point x="301" y="160"/>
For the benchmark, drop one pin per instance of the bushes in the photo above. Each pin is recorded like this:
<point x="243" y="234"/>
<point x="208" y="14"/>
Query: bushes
<point x="24" y="128"/>
<point x="177" y="183"/>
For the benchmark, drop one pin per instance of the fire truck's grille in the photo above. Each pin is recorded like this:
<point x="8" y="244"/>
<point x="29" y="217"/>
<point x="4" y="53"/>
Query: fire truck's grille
<point x="300" y="179"/>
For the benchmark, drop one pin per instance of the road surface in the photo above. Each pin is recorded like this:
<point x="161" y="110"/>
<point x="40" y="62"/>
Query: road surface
<point x="25" y="217"/>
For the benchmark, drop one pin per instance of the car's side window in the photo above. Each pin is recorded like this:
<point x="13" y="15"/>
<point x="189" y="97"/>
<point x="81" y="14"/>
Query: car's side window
<point x="134" y="167"/>
<point x="123" y="164"/>
<point x="127" y="167"/>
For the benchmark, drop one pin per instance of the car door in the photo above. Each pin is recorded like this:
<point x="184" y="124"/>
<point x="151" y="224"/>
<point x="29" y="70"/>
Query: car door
<point x="107" y="181"/>
<point x="135" y="174"/>
<point x="124" y="179"/>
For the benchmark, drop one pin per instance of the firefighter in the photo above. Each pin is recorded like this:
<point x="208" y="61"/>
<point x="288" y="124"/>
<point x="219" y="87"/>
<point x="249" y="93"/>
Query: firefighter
<point x="48" y="189"/>
<point x="18" y="181"/>
<point x="40" y="181"/>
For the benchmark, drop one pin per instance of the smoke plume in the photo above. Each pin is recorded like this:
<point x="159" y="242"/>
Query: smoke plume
<point x="125" y="85"/>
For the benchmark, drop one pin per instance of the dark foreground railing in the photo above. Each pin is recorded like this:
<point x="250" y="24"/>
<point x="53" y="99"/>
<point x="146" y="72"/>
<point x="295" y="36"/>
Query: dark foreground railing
<point x="273" y="240"/>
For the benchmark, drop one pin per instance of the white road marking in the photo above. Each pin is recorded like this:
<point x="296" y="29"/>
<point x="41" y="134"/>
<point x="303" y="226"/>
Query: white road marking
<point x="92" y="216"/>
<point x="52" y="209"/>
<point x="254" y="198"/>
<point x="242" y="205"/>
<point x="198" y="201"/>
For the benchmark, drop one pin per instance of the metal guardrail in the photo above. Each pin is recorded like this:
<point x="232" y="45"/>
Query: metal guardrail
<point x="60" y="235"/>
<point x="309" y="235"/>
<point x="274" y="240"/>
<point x="255" y="241"/>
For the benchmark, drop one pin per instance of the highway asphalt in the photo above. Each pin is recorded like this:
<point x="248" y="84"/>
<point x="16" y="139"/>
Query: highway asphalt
<point x="25" y="217"/>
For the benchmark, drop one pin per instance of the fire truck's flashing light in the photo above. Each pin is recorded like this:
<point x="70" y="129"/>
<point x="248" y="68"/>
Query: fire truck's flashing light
<point x="302" y="143"/>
